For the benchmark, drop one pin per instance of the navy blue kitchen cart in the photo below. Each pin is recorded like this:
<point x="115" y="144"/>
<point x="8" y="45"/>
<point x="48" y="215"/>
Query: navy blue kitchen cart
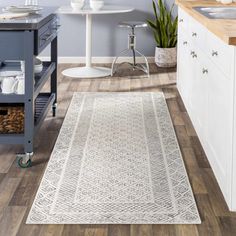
<point x="22" y="40"/>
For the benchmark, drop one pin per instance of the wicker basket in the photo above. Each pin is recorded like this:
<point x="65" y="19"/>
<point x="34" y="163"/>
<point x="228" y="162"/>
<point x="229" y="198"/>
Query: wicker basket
<point x="11" y="119"/>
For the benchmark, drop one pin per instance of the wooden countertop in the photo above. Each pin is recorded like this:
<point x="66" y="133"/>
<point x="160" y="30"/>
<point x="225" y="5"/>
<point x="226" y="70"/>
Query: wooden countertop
<point x="224" y="29"/>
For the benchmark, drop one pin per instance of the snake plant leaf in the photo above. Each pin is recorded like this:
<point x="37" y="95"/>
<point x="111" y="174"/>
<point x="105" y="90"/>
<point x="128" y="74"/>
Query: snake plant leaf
<point x="164" y="25"/>
<point x="157" y="39"/>
<point x="152" y="24"/>
<point x="155" y="9"/>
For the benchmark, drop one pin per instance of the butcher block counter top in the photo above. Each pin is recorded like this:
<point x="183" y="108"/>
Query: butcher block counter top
<point x="224" y="29"/>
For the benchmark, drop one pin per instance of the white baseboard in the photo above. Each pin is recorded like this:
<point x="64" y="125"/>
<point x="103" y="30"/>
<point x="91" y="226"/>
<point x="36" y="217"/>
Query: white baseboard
<point x="98" y="60"/>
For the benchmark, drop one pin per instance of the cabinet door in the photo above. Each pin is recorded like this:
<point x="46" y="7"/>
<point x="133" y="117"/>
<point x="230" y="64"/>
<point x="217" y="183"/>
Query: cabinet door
<point x="184" y="67"/>
<point x="199" y="95"/>
<point x="192" y="79"/>
<point x="219" y="126"/>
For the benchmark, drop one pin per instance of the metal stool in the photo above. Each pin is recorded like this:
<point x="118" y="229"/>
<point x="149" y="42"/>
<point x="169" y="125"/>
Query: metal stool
<point x="132" y="48"/>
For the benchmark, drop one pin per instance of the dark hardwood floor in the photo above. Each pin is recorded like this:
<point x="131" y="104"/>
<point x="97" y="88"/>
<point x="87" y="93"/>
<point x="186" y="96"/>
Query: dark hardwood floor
<point x="18" y="186"/>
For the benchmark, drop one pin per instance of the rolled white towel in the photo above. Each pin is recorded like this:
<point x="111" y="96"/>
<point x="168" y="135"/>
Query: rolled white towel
<point x="8" y="15"/>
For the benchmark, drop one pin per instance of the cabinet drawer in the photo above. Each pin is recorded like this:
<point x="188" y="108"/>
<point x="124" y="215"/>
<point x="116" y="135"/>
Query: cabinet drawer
<point x="220" y="53"/>
<point x="197" y="33"/>
<point x="182" y="19"/>
<point x="46" y="34"/>
<point x="183" y="40"/>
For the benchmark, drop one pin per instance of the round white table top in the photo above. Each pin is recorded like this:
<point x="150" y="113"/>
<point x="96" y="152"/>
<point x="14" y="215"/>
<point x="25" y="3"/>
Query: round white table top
<point x="107" y="9"/>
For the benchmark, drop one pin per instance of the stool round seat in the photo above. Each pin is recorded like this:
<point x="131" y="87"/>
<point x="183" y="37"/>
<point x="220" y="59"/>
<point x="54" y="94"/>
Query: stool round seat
<point x="133" y="24"/>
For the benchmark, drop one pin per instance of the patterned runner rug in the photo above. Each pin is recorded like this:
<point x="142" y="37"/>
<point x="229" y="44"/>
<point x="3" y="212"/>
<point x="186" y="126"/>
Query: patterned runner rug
<point x="116" y="161"/>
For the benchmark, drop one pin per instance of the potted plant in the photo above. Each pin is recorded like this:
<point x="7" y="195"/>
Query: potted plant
<point x="164" y="28"/>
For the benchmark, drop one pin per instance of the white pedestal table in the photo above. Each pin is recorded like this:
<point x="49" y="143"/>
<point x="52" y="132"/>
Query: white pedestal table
<point x="89" y="71"/>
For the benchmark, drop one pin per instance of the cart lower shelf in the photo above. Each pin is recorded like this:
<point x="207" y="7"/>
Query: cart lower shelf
<point x="43" y="103"/>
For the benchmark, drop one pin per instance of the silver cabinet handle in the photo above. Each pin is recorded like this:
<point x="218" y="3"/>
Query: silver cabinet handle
<point x="185" y="43"/>
<point x="194" y="34"/>
<point x="205" y="71"/>
<point x="48" y="37"/>
<point x="193" y="54"/>
<point x="56" y="27"/>
<point x="51" y="35"/>
<point x="214" y="53"/>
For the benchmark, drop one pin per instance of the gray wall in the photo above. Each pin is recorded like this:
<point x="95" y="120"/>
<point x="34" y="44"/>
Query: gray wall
<point x="108" y="39"/>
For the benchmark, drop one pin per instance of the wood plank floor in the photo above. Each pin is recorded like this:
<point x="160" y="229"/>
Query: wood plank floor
<point x="18" y="186"/>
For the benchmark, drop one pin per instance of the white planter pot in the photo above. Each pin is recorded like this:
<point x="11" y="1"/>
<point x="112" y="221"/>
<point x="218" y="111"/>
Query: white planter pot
<point x="166" y="57"/>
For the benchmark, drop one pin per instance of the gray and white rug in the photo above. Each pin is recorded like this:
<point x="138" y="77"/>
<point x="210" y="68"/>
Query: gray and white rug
<point x="116" y="161"/>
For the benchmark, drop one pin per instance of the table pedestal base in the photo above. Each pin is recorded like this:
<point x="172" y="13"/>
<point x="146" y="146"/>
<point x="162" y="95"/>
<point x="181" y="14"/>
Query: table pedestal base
<point x="87" y="72"/>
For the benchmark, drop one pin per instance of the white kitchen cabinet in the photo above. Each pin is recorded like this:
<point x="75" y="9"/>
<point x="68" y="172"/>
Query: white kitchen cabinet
<point x="206" y="82"/>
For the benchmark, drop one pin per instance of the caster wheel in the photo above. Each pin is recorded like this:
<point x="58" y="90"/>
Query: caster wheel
<point x="21" y="164"/>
